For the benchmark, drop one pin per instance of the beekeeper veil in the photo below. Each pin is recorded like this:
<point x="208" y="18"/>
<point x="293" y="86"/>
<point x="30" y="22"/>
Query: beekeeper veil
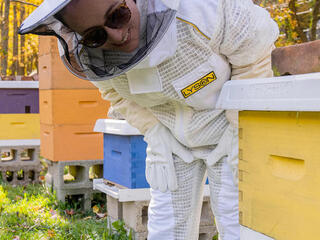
<point x="156" y="17"/>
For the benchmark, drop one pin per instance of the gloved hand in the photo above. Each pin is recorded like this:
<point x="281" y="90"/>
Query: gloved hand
<point x="160" y="172"/>
<point x="227" y="147"/>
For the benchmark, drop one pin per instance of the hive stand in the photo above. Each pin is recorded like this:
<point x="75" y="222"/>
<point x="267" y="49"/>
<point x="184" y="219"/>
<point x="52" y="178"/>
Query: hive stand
<point x="19" y="161"/>
<point x="78" y="180"/>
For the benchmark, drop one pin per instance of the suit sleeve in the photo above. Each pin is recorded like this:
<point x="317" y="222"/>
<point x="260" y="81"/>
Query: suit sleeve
<point x="246" y="37"/>
<point x="137" y="116"/>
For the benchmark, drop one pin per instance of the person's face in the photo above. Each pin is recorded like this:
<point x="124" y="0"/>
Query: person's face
<point x="84" y="15"/>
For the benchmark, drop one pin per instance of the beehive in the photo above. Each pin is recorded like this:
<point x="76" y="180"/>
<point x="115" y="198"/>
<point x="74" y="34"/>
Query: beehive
<point x="279" y="135"/>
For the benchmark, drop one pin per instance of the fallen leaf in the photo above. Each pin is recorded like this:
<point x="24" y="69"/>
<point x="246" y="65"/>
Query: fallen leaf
<point x="51" y="233"/>
<point x="70" y="212"/>
<point x="95" y="209"/>
<point x="101" y="215"/>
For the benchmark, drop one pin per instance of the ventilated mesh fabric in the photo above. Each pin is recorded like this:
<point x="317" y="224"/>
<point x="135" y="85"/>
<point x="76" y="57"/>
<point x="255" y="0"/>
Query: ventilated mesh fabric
<point x="238" y="36"/>
<point x="187" y="200"/>
<point x="224" y="200"/>
<point x="198" y="127"/>
<point x="243" y="32"/>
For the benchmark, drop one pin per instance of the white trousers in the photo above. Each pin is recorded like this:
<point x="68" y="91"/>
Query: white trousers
<point x="176" y="215"/>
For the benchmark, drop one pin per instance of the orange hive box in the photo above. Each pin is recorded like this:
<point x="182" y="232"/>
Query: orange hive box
<point x="76" y="106"/>
<point x="70" y="142"/>
<point x="54" y="75"/>
<point x="48" y="45"/>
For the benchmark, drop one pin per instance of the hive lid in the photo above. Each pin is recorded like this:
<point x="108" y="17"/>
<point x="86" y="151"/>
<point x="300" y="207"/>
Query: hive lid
<point x="128" y="194"/>
<point x="288" y="93"/>
<point x="19" y="142"/>
<point x="19" y="84"/>
<point x="117" y="127"/>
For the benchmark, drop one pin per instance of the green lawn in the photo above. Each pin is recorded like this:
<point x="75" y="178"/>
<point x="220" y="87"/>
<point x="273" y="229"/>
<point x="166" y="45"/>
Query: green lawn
<point x="34" y="213"/>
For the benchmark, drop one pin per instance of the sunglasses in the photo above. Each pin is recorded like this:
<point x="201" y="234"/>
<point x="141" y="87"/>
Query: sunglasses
<point x="97" y="36"/>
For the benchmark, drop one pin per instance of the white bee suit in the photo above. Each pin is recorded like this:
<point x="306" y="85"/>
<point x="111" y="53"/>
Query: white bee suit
<point x="168" y="90"/>
<point x="220" y="40"/>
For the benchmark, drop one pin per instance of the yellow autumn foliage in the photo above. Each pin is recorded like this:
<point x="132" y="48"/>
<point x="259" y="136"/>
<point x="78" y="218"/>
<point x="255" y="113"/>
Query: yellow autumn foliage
<point x="295" y="19"/>
<point x="22" y="58"/>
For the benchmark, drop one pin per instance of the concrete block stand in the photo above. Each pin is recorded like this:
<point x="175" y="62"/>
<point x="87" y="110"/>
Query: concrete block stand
<point x="19" y="161"/>
<point x="74" y="179"/>
<point x="131" y="206"/>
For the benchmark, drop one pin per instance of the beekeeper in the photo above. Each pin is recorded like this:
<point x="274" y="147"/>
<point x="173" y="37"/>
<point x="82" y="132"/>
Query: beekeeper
<point x="162" y="64"/>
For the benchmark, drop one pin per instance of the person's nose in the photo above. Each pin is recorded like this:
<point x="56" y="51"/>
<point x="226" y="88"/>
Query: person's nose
<point x="116" y="36"/>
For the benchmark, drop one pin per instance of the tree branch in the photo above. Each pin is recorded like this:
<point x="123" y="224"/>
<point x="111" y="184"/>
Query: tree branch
<point x="23" y="2"/>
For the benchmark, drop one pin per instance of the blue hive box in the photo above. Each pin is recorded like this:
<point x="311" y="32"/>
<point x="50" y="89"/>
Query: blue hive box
<point x="124" y="153"/>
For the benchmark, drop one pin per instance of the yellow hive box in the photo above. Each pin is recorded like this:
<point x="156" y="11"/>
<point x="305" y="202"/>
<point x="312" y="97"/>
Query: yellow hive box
<point x="279" y="173"/>
<point x="76" y="106"/>
<point x="70" y="142"/>
<point x="19" y="126"/>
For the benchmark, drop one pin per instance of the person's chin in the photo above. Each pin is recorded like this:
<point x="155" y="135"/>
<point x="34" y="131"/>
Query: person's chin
<point x="129" y="47"/>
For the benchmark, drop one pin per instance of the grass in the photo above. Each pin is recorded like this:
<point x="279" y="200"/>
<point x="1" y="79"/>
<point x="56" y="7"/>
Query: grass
<point x="32" y="212"/>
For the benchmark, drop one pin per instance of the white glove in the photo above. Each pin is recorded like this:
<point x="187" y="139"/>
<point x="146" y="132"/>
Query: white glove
<point x="232" y="116"/>
<point x="227" y="147"/>
<point x="160" y="172"/>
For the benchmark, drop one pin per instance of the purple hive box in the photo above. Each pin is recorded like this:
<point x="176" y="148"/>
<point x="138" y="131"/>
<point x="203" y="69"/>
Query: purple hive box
<point x="19" y="97"/>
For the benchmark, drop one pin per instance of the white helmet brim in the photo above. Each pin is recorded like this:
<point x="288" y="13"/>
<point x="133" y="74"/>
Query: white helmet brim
<point x="41" y="14"/>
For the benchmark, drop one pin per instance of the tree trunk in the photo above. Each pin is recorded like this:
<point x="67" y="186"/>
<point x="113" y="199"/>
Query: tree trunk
<point x="22" y="61"/>
<point x="4" y="38"/>
<point x="15" y="52"/>
<point x="299" y="29"/>
<point x="1" y="16"/>
<point x="315" y="19"/>
<point x="29" y="64"/>
<point x="1" y="29"/>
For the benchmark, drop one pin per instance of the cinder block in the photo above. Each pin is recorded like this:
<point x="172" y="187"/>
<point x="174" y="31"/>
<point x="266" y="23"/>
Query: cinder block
<point x="80" y="175"/>
<point x="19" y="155"/>
<point x="53" y="74"/>
<point x="19" y="100"/>
<point x="84" y="194"/>
<point x="141" y="235"/>
<point x="71" y="143"/>
<point x="297" y="59"/>
<point x="207" y="218"/>
<point x="207" y="232"/>
<point x="20" y="175"/>
<point x="135" y="215"/>
<point x="19" y="126"/>
<point x="114" y="208"/>
<point x="75" y="106"/>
